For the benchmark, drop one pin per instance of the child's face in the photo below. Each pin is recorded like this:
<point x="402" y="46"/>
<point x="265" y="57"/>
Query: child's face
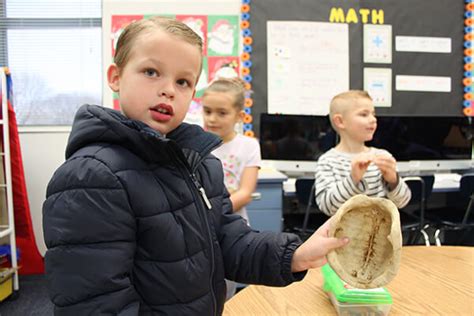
<point x="359" y="122"/>
<point x="158" y="82"/>
<point x="220" y="114"/>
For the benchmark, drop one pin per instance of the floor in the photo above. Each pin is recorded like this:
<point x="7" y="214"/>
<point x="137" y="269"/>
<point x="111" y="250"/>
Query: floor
<point x="31" y="299"/>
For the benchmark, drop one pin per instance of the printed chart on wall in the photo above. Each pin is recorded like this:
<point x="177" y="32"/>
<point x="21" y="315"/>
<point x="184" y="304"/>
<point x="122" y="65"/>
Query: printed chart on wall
<point x="220" y="35"/>
<point x="308" y="63"/>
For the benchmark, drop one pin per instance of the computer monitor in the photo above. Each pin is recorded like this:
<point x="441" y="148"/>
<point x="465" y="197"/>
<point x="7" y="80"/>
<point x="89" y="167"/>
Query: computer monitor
<point x="426" y="143"/>
<point x="293" y="143"/>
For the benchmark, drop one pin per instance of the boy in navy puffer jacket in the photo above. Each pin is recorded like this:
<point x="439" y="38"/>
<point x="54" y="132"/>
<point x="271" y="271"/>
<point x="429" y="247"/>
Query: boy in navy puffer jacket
<point x="137" y="220"/>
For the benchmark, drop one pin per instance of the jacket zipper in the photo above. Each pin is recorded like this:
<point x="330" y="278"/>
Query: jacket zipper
<point x="207" y="203"/>
<point x="202" y="193"/>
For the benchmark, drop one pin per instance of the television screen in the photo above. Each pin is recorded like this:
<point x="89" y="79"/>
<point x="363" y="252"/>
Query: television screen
<point x="425" y="138"/>
<point x="295" y="137"/>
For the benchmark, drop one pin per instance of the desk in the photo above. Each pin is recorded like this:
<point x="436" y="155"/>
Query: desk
<point x="266" y="210"/>
<point x="431" y="281"/>
<point x="444" y="182"/>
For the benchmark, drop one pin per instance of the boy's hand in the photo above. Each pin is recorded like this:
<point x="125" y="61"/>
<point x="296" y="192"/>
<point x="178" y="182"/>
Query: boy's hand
<point x="359" y="166"/>
<point x="312" y="253"/>
<point x="388" y="167"/>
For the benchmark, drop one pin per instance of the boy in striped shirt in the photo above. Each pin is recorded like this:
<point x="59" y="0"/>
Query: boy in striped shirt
<point x="351" y="167"/>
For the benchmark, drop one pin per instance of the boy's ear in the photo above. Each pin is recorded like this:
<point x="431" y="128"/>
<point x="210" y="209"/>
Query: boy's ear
<point x="337" y="120"/>
<point x="113" y="77"/>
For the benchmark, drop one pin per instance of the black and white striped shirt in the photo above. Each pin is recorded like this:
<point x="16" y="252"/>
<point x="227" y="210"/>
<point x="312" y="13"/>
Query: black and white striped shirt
<point x="334" y="184"/>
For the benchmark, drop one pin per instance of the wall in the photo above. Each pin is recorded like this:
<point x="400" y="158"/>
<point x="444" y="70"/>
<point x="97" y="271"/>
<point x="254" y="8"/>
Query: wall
<point x="43" y="153"/>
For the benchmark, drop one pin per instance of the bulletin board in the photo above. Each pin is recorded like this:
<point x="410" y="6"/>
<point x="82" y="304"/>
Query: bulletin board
<point x="425" y="78"/>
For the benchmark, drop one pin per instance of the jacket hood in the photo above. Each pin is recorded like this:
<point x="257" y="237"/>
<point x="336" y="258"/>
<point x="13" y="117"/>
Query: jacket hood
<point x="97" y="124"/>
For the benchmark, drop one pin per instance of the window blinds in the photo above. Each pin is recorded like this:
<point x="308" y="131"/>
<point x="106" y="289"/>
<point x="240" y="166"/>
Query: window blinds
<point x="53" y="50"/>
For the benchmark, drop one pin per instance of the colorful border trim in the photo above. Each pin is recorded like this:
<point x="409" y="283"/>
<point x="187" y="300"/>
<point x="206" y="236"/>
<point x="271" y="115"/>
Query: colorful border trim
<point x="246" y="63"/>
<point x="468" y="103"/>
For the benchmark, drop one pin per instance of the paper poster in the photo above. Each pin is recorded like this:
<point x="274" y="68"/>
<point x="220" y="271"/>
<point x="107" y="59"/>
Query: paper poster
<point x="203" y="78"/>
<point x="223" y="67"/>
<point x="378" y="83"/>
<point x="194" y="115"/>
<point x="223" y="35"/>
<point x="198" y="23"/>
<point x="119" y="22"/>
<point x="423" y="83"/>
<point x="423" y="44"/>
<point x="377" y="44"/>
<point x="308" y="64"/>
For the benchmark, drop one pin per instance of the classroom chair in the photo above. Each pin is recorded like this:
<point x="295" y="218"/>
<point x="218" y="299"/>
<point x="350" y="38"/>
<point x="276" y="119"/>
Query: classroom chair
<point x="412" y="216"/>
<point x="456" y="221"/>
<point x="305" y="193"/>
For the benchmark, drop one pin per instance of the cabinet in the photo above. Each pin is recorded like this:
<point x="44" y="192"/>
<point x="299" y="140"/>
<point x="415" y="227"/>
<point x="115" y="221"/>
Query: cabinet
<point x="266" y="210"/>
<point x="7" y="223"/>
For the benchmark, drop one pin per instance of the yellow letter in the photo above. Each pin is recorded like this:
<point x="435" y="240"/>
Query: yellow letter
<point x="336" y="15"/>
<point x="377" y="16"/>
<point x="364" y="13"/>
<point x="351" y="16"/>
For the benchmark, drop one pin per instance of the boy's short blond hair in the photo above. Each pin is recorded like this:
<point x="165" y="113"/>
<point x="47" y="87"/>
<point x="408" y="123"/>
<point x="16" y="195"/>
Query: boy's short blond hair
<point x="343" y="101"/>
<point x="170" y="26"/>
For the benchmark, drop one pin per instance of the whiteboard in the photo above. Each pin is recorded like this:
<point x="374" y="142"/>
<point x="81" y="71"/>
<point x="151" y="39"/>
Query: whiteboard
<point x="308" y="64"/>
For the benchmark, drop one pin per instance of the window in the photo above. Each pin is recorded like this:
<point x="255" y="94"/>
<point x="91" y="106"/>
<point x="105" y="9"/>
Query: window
<point x="53" y="50"/>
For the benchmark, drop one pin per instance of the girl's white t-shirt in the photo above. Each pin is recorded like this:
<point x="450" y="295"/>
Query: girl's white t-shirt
<point x="236" y="155"/>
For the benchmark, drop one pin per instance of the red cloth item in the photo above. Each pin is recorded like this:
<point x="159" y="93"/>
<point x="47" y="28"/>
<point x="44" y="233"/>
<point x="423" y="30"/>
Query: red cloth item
<point x="31" y="261"/>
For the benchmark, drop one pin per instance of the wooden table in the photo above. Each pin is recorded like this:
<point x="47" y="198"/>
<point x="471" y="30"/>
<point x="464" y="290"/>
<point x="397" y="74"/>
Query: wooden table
<point x="431" y="281"/>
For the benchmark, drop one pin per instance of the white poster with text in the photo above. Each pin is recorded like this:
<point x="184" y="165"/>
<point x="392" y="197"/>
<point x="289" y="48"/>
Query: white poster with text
<point x="308" y="64"/>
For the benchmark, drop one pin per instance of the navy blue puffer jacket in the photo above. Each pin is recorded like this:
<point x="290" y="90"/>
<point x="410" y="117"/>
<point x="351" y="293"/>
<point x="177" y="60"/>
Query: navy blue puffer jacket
<point x="139" y="224"/>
